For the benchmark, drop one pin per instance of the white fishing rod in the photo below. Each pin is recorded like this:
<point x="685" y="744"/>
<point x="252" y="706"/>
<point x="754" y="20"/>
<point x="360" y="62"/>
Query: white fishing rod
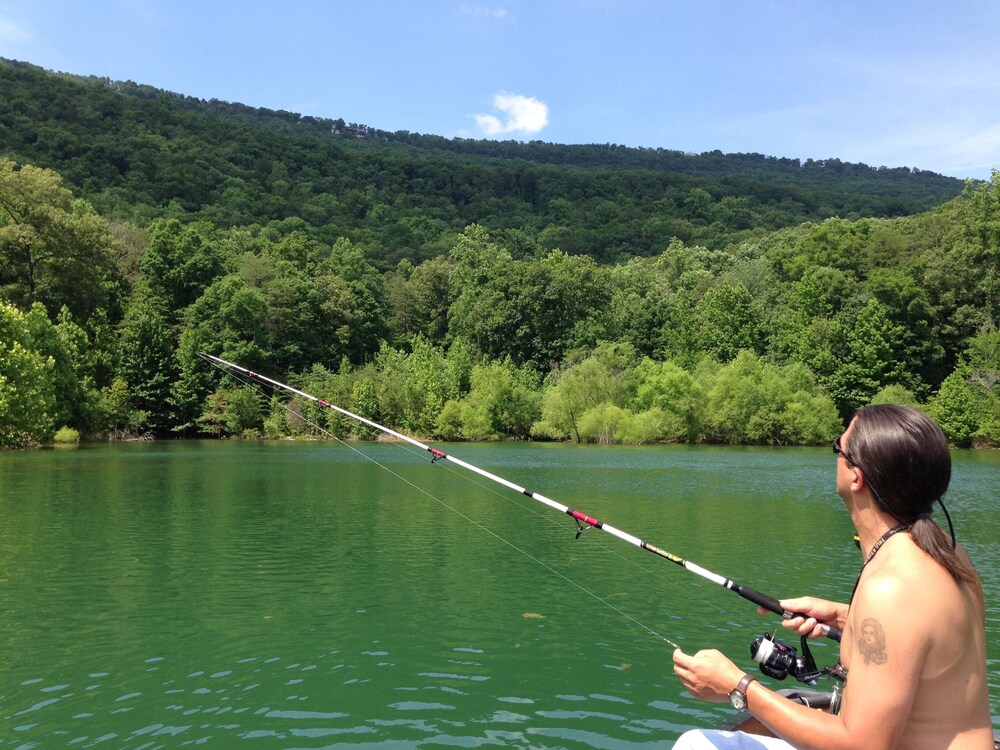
<point x="583" y="521"/>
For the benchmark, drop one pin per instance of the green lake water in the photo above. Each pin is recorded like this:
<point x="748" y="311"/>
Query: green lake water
<point x="313" y="595"/>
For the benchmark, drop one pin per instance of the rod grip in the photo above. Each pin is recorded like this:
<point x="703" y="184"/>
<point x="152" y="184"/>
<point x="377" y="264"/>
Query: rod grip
<point x="762" y="600"/>
<point x="773" y="605"/>
<point x="833" y="633"/>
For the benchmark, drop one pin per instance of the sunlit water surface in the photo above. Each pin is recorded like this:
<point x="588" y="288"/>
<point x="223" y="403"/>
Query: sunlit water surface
<point x="290" y="595"/>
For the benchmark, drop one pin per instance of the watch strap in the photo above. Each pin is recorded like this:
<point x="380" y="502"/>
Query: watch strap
<point x="745" y="683"/>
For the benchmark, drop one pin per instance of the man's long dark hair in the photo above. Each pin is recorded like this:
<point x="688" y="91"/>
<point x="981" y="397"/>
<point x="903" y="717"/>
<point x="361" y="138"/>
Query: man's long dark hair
<point x="904" y="457"/>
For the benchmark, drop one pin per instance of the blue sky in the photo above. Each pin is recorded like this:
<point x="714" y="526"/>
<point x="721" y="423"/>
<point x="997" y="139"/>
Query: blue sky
<point x="884" y="82"/>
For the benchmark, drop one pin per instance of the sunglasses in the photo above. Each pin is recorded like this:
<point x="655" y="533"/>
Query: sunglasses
<point x="841" y="452"/>
<point x="850" y="459"/>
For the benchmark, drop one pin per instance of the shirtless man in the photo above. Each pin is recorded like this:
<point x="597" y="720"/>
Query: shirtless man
<point x="914" y="640"/>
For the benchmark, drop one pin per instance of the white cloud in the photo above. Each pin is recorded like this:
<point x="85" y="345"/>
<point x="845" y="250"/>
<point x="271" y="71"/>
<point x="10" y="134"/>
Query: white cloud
<point x="12" y="32"/>
<point x="519" y="114"/>
<point x="470" y="9"/>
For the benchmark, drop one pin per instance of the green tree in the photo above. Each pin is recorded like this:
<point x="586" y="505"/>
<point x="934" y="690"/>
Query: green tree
<point x="729" y="321"/>
<point x="146" y="366"/>
<point x="916" y="348"/>
<point x="420" y="299"/>
<point x="234" y="412"/>
<point x="954" y="407"/>
<point x="983" y="223"/>
<point x="821" y="292"/>
<point x="27" y="393"/>
<point x="75" y="397"/>
<point x="414" y="386"/>
<point x="87" y="362"/>
<point x="182" y="261"/>
<point x="353" y="302"/>
<point x="752" y="401"/>
<point x="504" y="401"/>
<point x="674" y="392"/>
<point x="606" y="424"/>
<point x="365" y="403"/>
<point x="855" y="360"/>
<point x="607" y="376"/>
<point x="229" y="320"/>
<point x="896" y="394"/>
<point x="118" y="414"/>
<point x="53" y="249"/>
<point x="981" y="368"/>
<point x="533" y="310"/>
<point x="982" y="362"/>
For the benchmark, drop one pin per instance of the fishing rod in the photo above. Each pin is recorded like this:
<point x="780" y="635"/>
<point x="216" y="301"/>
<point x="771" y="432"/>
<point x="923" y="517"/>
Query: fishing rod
<point x="583" y="521"/>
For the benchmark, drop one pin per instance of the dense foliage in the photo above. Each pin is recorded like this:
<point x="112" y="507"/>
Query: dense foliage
<point x="139" y="153"/>
<point x="412" y="281"/>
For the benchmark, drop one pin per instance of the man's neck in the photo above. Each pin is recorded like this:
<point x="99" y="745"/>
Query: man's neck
<point x="871" y="524"/>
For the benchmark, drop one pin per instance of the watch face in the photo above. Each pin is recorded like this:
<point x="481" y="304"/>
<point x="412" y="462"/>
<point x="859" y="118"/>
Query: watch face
<point x="738" y="700"/>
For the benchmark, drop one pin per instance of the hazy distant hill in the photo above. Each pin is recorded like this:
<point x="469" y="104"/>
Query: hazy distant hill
<point x="141" y="153"/>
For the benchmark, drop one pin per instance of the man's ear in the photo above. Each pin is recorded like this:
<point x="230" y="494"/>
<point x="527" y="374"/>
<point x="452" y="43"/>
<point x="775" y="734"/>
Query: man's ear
<point x="857" y="479"/>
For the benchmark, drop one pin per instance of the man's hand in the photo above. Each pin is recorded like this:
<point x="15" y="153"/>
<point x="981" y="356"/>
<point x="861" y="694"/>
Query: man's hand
<point x="707" y="675"/>
<point x="817" y="613"/>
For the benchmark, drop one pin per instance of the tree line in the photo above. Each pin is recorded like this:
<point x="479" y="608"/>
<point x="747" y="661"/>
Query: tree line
<point x="774" y="340"/>
<point x="137" y="154"/>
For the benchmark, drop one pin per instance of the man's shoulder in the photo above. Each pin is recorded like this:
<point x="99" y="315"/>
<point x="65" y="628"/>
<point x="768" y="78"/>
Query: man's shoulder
<point x="910" y="587"/>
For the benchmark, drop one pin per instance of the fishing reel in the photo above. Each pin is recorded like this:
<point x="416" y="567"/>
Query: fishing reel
<point x="778" y="660"/>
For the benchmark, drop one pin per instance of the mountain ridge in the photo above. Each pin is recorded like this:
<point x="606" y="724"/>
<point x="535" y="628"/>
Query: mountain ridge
<point x="140" y="153"/>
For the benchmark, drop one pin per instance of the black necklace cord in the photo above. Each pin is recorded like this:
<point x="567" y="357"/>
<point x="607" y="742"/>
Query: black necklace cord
<point x="874" y="551"/>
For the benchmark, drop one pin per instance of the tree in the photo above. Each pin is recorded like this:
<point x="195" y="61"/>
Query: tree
<point x="232" y="412"/>
<point x="955" y="409"/>
<point x="853" y="359"/>
<point x="729" y="321"/>
<point x="981" y="368"/>
<point x="917" y="350"/>
<point x="228" y="319"/>
<point x="533" y="310"/>
<point x="604" y="377"/>
<point x="117" y="412"/>
<point x="752" y="401"/>
<point x="365" y="402"/>
<point x="53" y="249"/>
<point x="673" y="391"/>
<point x="146" y="367"/>
<point x="504" y="401"/>
<point x="27" y="393"/>
<point x="181" y="262"/>
<point x="896" y="394"/>
<point x="352" y="296"/>
<point x="982" y="362"/>
<point x="420" y="298"/>
<point x="67" y="345"/>
<point x="821" y="292"/>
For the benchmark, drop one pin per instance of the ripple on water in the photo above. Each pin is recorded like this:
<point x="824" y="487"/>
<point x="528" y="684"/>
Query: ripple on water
<point x="209" y="594"/>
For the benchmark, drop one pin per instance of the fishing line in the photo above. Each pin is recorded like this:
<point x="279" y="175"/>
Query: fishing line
<point x="547" y="518"/>
<point x="583" y="521"/>
<point x="473" y="521"/>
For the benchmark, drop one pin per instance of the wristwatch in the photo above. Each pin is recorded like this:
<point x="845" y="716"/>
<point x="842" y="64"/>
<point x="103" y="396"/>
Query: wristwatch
<point x="739" y="696"/>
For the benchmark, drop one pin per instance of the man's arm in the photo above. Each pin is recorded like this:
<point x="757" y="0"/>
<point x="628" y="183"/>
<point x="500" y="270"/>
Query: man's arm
<point x="879" y="691"/>
<point x="885" y="653"/>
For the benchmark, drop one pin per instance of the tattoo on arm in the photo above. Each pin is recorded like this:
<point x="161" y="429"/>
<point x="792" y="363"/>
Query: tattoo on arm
<point x="871" y="644"/>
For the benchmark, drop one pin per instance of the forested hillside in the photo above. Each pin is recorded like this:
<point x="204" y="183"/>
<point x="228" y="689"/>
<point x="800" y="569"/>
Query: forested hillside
<point x="469" y="290"/>
<point x="139" y="153"/>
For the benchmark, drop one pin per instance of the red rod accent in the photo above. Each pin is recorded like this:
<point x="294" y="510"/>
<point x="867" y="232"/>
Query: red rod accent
<point x="585" y="518"/>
